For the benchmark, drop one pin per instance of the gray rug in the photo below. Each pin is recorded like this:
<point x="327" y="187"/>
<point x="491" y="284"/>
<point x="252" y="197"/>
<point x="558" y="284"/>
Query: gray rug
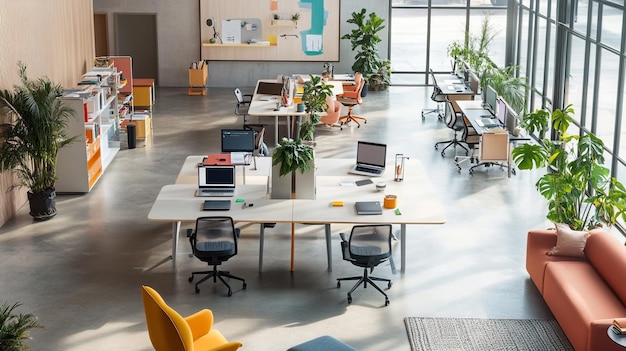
<point x="471" y="334"/>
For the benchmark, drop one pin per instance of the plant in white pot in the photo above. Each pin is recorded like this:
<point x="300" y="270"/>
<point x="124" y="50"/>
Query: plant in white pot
<point x="32" y="132"/>
<point x="289" y="157"/>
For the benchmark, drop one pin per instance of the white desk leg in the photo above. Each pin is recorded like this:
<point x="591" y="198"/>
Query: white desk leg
<point x="276" y="138"/>
<point x="261" y="242"/>
<point x="329" y="249"/>
<point x="402" y="247"/>
<point x="175" y="231"/>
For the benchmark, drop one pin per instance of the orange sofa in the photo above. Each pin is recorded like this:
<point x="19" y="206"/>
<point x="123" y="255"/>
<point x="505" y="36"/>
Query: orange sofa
<point x="584" y="294"/>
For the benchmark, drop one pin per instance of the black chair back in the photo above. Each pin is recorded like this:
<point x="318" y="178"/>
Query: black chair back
<point x="214" y="239"/>
<point x="370" y="245"/>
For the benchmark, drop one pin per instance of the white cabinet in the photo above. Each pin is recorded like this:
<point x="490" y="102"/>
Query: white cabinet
<point x="96" y="127"/>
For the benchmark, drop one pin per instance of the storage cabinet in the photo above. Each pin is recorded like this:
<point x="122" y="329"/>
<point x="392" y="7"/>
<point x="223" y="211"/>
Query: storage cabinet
<point x="96" y="127"/>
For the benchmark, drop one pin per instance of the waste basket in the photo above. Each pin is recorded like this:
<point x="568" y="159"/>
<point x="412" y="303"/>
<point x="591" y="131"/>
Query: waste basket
<point x="131" y="131"/>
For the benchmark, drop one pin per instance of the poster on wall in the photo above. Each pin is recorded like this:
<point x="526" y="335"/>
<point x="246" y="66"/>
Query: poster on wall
<point x="290" y="30"/>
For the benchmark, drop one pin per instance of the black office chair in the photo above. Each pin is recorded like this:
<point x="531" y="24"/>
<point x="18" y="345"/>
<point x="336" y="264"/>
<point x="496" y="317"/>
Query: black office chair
<point x="437" y="96"/>
<point x="454" y="121"/>
<point x="368" y="246"/>
<point x="471" y="138"/>
<point x="243" y="103"/>
<point x="214" y="241"/>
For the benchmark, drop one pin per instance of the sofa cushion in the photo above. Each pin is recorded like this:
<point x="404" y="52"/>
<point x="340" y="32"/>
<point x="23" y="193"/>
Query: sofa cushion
<point x="608" y="257"/>
<point x="577" y="296"/>
<point x="569" y="242"/>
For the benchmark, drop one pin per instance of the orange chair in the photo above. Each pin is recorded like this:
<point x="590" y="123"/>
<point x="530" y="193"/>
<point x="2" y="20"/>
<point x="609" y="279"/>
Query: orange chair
<point x="352" y="97"/>
<point x="169" y="331"/>
<point x="332" y="113"/>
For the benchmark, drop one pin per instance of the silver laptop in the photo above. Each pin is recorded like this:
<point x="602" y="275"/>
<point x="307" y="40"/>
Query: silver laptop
<point x="216" y="181"/>
<point x="370" y="159"/>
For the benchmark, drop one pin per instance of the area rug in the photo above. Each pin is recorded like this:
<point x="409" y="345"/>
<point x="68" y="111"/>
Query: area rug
<point x="472" y="334"/>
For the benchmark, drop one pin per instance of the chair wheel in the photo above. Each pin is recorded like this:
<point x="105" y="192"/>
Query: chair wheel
<point x="513" y="171"/>
<point x="230" y="293"/>
<point x="338" y="284"/>
<point x="190" y="279"/>
<point x="389" y="285"/>
<point x="244" y="286"/>
<point x="436" y="147"/>
<point x="349" y="299"/>
<point x="386" y="302"/>
<point x="197" y="290"/>
<point x="443" y="154"/>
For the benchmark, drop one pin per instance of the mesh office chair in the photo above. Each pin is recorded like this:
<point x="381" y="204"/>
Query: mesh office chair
<point x="243" y="103"/>
<point x="495" y="150"/>
<point x="437" y="96"/>
<point x="472" y="139"/>
<point x="214" y="241"/>
<point x="350" y="98"/>
<point x="367" y="247"/>
<point x="454" y="121"/>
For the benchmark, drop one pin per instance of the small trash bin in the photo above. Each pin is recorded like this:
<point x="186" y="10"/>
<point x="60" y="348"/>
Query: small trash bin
<point x="131" y="131"/>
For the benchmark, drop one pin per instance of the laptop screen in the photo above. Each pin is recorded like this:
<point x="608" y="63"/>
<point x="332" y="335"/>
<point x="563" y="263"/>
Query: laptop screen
<point x="371" y="154"/>
<point x="237" y="140"/>
<point x="216" y="176"/>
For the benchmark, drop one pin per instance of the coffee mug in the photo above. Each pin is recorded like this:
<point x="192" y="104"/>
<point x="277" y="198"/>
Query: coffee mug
<point x="300" y="107"/>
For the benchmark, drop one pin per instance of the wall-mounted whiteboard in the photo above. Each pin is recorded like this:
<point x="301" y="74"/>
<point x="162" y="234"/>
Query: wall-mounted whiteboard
<point x="248" y="31"/>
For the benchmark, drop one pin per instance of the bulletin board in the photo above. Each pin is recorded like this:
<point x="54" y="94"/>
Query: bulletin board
<point x="268" y="32"/>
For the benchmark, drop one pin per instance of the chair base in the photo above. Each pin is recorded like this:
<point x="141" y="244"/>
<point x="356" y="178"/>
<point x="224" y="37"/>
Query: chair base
<point x="215" y="274"/>
<point x="454" y="142"/>
<point x="438" y="111"/>
<point x="510" y="169"/>
<point x="351" y="118"/>
<point x="365" y="279"/>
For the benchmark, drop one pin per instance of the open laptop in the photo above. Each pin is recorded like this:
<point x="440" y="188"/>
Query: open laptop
<point x="370" y="159"/>
<point x="216" y="181"/>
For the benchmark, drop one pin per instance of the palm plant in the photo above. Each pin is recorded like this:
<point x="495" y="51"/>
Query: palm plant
<point x="14" y="327"/>
<point x="578" y="187"/>
<point x="33" y="135"/>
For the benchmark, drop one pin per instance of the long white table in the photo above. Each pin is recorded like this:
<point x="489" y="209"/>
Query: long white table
<point x="417" y="201"/>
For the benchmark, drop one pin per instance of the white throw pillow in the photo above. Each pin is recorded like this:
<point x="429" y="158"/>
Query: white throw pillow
<point x="568" y="242"/>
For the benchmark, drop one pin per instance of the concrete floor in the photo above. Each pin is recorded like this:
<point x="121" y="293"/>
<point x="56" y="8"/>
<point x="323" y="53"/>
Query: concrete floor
<point x="81" y="272"/>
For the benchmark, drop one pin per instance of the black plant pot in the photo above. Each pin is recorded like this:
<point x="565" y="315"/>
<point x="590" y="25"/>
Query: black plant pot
<point x="364" y="90"/>
<point x="43" y="204"/>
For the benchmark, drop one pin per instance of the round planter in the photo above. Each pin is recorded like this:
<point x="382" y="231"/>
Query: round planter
<point x="42" y="204"/>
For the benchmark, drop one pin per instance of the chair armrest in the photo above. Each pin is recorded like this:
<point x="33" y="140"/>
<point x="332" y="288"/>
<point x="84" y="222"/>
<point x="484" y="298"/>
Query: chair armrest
<point x="200" y="323"/>
<point x="229" y="346"/>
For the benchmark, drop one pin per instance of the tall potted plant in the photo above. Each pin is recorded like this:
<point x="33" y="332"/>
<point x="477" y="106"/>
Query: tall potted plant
<point x="578" y="187"/>
<point x="314" y="98"/>
<point x="32" y="134"/>
<point x="363" y="40"/>
<point x="289" y="157"/>
<point x="14" y="327"/>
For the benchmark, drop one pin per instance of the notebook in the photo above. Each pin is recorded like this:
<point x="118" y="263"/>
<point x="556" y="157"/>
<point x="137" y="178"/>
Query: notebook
<point x="368" y="208"/>
<point x="216" y="205"/>
<point x="370" y="159"/>
<point x="216" y="181"/>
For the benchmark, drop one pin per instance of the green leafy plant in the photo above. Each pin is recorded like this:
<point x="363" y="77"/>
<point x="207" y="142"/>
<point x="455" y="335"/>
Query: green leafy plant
<point x="314" y="98"/>
<point x="295" y="16"/>
<point x="14" y="328"/>
<point x="474" y="50"/>
<point x="363" y="40"/>
<point x="292" y="155"/>
<point x="506" y="84"/>
<point x="578" y="188"/>
<point x="33" y="133"/>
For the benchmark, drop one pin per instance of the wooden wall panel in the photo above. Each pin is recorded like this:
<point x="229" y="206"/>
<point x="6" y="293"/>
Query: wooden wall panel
<point x="53" y="38"/>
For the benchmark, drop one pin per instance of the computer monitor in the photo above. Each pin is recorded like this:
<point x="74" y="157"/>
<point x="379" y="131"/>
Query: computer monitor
<point x="474" y="82"/>
<point x="501" y="111"/>
<point x="511" y="120"/>
<point x="237" y="140"/>
<point x="269" y="88"/>
<point x="490" y="99"/>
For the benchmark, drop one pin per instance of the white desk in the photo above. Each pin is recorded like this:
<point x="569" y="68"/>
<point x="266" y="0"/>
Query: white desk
<point x="417" y="201"/>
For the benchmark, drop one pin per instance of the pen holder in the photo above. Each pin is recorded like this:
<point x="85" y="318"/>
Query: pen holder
<point x="390" y="201"/>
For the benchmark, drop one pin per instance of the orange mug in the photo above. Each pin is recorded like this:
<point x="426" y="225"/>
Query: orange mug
<point x="390" y="201"/>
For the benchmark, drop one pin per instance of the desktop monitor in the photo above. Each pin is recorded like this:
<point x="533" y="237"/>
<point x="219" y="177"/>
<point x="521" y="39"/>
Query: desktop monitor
<point x="511" y="120"/>
<point x="490" y="99"/>
<point x="237" y="140"/>
<point x="501" y="111"/>
<point x="269" y="88"/>
<point x="474" y="82"/>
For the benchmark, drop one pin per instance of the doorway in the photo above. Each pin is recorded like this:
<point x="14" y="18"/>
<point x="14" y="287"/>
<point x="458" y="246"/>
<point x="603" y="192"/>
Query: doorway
<point x="101" y="34"/>
<point x="136" y="36"/>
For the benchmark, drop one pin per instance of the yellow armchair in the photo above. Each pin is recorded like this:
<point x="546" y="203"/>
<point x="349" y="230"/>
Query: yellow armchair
<point x="169" y="331"/>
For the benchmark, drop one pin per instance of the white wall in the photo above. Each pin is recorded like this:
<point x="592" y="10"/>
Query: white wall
<point x="178" y="34"/>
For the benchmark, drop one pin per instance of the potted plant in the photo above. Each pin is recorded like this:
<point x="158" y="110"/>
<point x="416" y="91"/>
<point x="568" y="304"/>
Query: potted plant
<point x="382" y="78"/>
<point x="314" y="98"/>
<point x="578" y="187"/>
<point x="32" y="136"/>
<point x="290" y="157"/>
<point x="474" y="50"/>
<point x="506" y="84"/>
<point x="14" y="327"/>
<point x="363" y="41"/>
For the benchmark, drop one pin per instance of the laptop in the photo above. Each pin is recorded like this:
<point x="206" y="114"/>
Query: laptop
<point x="216" y="205"/>
<point x="216" y="181"/>
<point x="370" y="159"/>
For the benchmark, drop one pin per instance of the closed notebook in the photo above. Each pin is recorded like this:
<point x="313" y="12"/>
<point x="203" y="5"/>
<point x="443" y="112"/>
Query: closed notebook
<point x="216" y="205"/>
<point x="368" y="208"/>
